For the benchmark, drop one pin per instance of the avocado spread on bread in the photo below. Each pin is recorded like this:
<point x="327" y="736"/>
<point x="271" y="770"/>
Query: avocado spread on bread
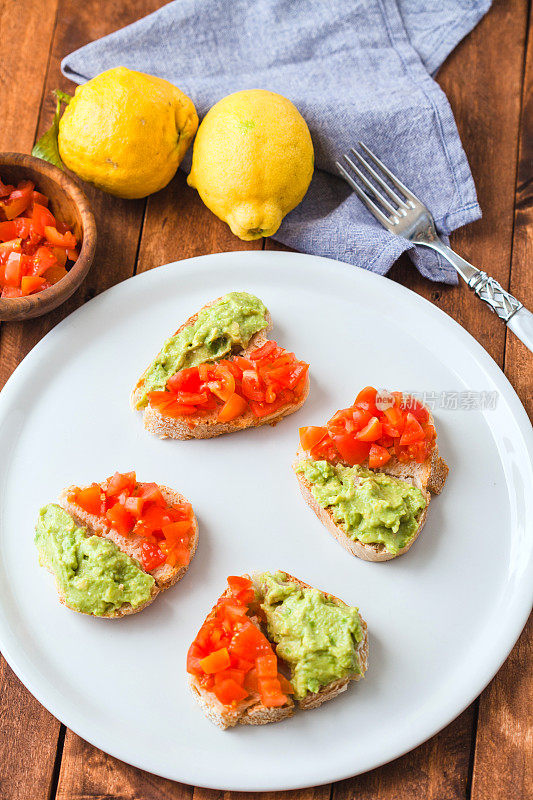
<point x="316" y="635"/>
<point x="370" y="506"/>
<point x="220" y="328"/>
<point x="93" y="575"/>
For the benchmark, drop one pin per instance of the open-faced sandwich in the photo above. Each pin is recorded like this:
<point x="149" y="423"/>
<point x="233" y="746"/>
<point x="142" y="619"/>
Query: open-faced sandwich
<point x="369" y="472"/>
<point x="272" y="645"/>
<point x="113" y="546"/>
<point x="219" y="373"/>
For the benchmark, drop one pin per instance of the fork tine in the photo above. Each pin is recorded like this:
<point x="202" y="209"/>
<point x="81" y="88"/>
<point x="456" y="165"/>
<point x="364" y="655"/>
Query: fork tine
<point x="364" y="197"/>
<point x="393" y="179"/>
<point x="379" y="180"/>
<point x="372" y="189"/>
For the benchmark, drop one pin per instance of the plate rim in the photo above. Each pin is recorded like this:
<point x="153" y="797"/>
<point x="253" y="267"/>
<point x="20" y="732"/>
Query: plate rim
<point x="506" y="642"/>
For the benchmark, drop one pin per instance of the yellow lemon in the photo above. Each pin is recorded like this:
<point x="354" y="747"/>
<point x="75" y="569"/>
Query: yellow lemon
<point x="126" y="132"/>
<point x="252" y="161"/>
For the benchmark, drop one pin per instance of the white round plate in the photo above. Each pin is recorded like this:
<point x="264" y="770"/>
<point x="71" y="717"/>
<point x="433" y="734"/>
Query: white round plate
<point x="441" y="619"/>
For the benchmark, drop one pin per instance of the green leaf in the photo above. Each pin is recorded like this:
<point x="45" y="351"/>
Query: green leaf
<point x="63" y="96"/>
<point x="47" y="147"/>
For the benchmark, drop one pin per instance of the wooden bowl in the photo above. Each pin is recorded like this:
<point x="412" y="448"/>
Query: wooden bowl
<point x="68" y="204"/>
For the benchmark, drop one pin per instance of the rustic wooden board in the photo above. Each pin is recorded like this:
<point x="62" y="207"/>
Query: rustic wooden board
<point x="485" y="92"/>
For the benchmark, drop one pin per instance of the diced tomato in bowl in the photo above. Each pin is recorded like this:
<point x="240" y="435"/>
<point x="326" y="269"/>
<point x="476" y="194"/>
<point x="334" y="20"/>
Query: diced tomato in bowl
<point x="40" y="255"/>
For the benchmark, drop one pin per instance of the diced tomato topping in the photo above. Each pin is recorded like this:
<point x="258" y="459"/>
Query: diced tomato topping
<point x="134" y="505"/>
<point x="28" y="228"/>
<point x="42" y="199"/>
<point x="232" y="408"/>
<point x="413" y="431"/>
<point x="119" y="482"/>
<point x="151" y="493"/>
<point x="265" y="382"/>
<point x="267" y="666"/>
<point x="271" y="694"/>
<point x="151" y="556"/>
<point x="229" y="692"/>
<point x="120" y="519"/>
<point x="232" y="658"/>
<point x="176" y="531"/>
<point x="90" y="499"/>
<point x="371" y="432"/>
<point x="378" y="456"/>
<point x="368" y="430"/>
<point x="263" y="352"/>
<point x="216" y="661"/>
<point x="15" y="228"/>
<point x="139" y="510"/>
<point x="311" y="435"/>
<point x="5" y="189"/>
<point x="236" y="583"/>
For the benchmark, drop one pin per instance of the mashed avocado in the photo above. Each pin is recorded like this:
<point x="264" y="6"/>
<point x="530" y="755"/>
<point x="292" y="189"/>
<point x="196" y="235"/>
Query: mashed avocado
<point x="91" y="572"/>
<point x="316" y="635"/>
<point x="371" y="506"/>
<point x="227" y="324"/>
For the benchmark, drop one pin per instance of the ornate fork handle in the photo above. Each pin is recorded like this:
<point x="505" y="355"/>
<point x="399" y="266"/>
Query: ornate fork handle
<point x="507" y="307"/>
<point x="489" y="290"/>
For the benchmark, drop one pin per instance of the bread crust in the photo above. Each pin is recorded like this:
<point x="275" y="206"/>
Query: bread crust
<point x="207" y="426"/>
<point x="165" y="576"/>
<point x="315" y="699"/>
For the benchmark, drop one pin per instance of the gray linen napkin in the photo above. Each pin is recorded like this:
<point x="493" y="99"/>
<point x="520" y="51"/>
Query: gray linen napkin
<point x="356" y="69"/>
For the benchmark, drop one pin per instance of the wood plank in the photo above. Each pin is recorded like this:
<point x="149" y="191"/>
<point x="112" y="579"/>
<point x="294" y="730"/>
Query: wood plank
<point x="28" y="742"/>
<point x="315" y="793"/>
<point x="26" y="26"/>
<point x="518" y="359"/>
<point x="29" y="733"/>
<point x="90" y="774"/>
<point x="436" y="770"/>
<point x="503" y="766"/>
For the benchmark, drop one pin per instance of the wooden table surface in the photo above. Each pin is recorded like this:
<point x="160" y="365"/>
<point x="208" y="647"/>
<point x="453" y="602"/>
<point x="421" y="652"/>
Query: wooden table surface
<point x="486" y="753"/>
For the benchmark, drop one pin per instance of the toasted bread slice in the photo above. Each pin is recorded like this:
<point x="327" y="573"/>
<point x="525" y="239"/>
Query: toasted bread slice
<point x="429" y="476"/>
<point x="368" y="552"/>
<point x="250" y="712"/>
<point x="207" y="426"/>
<point x="315" y="699"/>
<point x="164" y="575"/>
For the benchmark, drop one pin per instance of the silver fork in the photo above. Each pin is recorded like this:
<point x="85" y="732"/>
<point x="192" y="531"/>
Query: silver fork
<point x="402" y="213"/>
